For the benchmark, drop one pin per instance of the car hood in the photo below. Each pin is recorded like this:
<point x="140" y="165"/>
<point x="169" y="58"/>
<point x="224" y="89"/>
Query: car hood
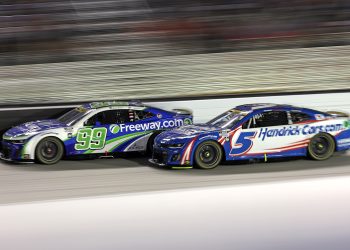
<point x="186" y="132"/>
<point x="33" y="127"/>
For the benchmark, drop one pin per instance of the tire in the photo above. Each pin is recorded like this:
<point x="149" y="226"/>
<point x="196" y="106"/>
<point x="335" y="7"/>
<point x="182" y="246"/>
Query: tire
<point x="208" y="155"/>
<point x="49" y="151"/>
<point x="321" y="147"/>
<point x="149" y="149"/>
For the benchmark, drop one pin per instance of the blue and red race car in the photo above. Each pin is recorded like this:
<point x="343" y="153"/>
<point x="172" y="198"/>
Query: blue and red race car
<point x="98" y="128"/>
<point x="254" y="131"/>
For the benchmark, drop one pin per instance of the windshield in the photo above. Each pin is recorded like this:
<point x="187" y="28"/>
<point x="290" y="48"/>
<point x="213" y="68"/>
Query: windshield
<point x="74" y="115"/>
<point x="227" y="119"/>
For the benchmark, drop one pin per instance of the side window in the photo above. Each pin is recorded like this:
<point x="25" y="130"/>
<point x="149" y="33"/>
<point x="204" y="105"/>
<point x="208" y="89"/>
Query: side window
<point x="141" y="115"/>
<point x="115" y="116"/>
<point x="270" y="118"/>
<point x="248" y="124"/>
<point x="109" y="117"/>
<point x="299" y="117"/>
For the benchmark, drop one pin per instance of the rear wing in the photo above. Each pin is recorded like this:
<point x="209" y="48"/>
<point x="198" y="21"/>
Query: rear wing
<point x="338" y="114"/>
<point x="182" y="111"/>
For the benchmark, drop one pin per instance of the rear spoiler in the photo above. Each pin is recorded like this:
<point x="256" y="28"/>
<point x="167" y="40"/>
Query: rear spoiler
<point x="338" y="114"/>
<point x="182" y="111"/>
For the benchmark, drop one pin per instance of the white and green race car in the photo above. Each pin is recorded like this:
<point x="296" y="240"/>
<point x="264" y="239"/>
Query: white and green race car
<point x="98" y="128"/>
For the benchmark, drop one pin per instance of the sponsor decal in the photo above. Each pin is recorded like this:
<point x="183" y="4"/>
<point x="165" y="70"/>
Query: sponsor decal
<point x="347" y="124"/>
<point x="114" y="128"/>
<point x="298" y="130"/>
<point x="68" y="130"/>
<point x="225" y="133"/>
<point x="157" y="125"/>
<point x="344" y="142"/>
<point x="226" y="137"/>
<point x="187" y="121"/>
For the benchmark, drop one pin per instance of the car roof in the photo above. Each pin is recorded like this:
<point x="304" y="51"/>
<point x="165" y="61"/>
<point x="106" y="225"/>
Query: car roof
<point x="267" y="106"/>
<point x="103" y="104"/>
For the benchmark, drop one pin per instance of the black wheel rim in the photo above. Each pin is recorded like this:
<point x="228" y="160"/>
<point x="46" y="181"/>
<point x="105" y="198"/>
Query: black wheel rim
<point x="49" y="150"/>
<point x="320" y="146"/>
<point x="208" y="154"/>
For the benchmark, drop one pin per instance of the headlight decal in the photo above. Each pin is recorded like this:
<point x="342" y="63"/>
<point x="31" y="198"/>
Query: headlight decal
<point x="174" y="145"/>
<point x="187" y="155"/>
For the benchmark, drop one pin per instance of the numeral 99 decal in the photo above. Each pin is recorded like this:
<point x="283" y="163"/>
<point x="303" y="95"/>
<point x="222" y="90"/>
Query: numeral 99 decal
<point x="88" y="138"/>
<point x="243" y="144"/>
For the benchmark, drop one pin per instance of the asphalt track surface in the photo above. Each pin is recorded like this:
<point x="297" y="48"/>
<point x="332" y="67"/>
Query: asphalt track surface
<point x="121" y="176"/>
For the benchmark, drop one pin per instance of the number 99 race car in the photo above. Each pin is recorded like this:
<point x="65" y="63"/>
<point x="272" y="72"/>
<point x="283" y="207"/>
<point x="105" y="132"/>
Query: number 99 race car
<point x="99" y="128"/>
<point x="254" y="131"/>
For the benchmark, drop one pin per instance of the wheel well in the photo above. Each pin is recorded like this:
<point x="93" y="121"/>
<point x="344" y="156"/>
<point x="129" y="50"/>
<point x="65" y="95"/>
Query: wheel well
<point x="154" y="136"/>
<point x="150" y="140"/>
<point x="333" y="138"/>
<point x="220" y="146"/>
<point x="62" y="143"/>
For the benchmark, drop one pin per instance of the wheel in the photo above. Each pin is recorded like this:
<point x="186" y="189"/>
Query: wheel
<point x="208" y="155"/>
<point x="49" y="151"/>
<point x="321" y="147"/>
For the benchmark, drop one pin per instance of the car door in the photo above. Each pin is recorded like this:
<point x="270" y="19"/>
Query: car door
<point x="141" y="126"/>
<point x="261" y="134"/>
<point x="102" y="132"/>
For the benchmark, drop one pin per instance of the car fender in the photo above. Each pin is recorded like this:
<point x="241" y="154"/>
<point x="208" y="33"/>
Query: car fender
<point x="30" y="146"/>
<point x="195" y="143"/>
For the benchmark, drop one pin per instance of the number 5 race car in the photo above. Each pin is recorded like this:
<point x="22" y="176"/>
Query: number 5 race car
<point x="99" y="128"/>
<point x="255" y="131"/>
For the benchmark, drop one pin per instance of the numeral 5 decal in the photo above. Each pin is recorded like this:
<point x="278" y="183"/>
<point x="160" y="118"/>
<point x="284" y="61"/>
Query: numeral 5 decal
<point x="243" y="144"/>
<point x="88" y="138"/>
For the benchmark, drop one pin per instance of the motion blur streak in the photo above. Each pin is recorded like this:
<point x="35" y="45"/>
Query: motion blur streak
<point x="82" y="50"/>
<point x="286" y="215"/>
<point x="43" y="31"/>
<point x="267" y="71"/>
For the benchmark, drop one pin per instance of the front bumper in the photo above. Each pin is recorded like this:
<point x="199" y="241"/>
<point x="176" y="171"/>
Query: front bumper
<point x="12" y="152"/>
<point x="3" y="157"/>
<point x="155" y="162"/>
<point x="160" y="156"/>
<point x="167" y="157"/>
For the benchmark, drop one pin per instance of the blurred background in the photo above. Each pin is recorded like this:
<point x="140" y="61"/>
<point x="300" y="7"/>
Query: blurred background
<point x="81" y="50"/>
<point x="205" y="55"/>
